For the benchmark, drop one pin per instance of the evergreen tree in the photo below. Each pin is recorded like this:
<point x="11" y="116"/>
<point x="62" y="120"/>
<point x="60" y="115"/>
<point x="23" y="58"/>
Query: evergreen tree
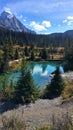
<point x="32" y="55"/>
<point x="69" y="51"/>
<point x="1" y="56"/>
<point x="44" y="54"/>
<point x="26" y="50"/>
<point x="10" y="44"/>
<point x="25" y="90"/>
<point x="4" y="67"/>
<point x="56" y="86"/>
<point x="4" y="85"/>
<point x="16" y="56"/>
<point x="7" y="55"/>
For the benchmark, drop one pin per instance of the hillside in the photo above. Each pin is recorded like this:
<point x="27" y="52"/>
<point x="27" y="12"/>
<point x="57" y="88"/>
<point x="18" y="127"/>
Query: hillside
<point x="9" y="21"/>
<point x="41" y="113"/>
<point x="23" y="38"/>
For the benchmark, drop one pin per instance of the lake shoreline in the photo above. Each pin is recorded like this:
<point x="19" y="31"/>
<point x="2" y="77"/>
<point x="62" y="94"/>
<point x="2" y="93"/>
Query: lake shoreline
<point x="41" y="71"/>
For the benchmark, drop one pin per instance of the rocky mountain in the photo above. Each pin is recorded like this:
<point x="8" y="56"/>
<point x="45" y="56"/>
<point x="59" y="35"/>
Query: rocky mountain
<point x="9" y="21"/>
<point x="10" y="25"/>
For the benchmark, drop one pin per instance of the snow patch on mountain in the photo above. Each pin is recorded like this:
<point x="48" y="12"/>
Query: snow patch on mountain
<point x="7" y="10"/>
<point x="9" y="21"/>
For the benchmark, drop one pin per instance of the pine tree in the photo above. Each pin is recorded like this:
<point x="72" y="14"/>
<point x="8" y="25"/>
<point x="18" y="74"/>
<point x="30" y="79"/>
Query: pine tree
<point x="56" y="86"/>
<point x="26" y="50"/>
<point x="7" y="55"/>
<point x="44" y="54"/>
<point x="32" y="55"/>
<point x="4" y="64"/>
<point x="69" y="51"/>
<point x="10" y="44"/>
<point x="16" y="56"/>
<point x="25" y="90"/>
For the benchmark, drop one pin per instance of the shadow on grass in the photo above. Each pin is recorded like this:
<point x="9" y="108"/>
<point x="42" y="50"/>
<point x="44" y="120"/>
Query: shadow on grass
<point x="5" y="106"/>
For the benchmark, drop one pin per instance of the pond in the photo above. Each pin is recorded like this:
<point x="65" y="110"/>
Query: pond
<point x="40" y="71"/>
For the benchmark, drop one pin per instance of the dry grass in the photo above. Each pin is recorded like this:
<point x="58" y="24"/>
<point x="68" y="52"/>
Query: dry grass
<point x="63" y="123"/>
<point x="45" y="128"/>
<point x="68" y="90"/>
<point x="12" y="123"/>
<point x="14" y="65"/>
<point x="57" y="56"/>
<point x="1" y="52"/>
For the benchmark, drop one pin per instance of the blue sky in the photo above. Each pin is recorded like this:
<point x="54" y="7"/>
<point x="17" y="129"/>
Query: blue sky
<point x="42" y="16"/>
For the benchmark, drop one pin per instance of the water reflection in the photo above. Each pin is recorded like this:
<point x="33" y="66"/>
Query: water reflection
<point x="41" y="72"/>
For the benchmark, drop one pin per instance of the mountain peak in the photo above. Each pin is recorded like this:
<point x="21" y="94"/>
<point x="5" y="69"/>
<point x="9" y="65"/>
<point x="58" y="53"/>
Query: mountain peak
<point x="7" y="10"/>
<point x="6" y="14"/>
<point x="9" y="21"/>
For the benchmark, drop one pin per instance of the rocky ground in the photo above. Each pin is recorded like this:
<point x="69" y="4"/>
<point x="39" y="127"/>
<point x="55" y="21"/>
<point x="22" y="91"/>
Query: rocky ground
<point x="68" y="75"/>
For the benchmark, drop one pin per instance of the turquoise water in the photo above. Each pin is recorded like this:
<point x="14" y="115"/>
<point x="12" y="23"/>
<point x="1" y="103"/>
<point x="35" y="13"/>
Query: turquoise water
<point x="40" y="71"/>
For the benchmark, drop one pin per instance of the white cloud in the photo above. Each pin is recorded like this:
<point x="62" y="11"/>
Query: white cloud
<point x="40" y="27"/>
<point x="46" y="24"/>
<point x="24" y="20"/>
<point x="70" y="17"/>
<point x="37" y="26"/>
<point x="65" y="21"/>
<point x="68" y="20"/>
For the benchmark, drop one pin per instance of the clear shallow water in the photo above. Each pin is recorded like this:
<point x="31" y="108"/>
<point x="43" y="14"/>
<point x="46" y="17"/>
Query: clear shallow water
<point x="40" y="71"/>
